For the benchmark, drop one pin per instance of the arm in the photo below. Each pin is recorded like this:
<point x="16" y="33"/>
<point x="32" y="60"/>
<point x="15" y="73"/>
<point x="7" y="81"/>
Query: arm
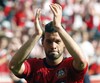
<point x="79" y="62"/>
<point x="16" y="64"/>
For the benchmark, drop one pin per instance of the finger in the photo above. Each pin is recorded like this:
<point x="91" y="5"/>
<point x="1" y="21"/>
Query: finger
<point x="59" y="6"/>
<point x="53" y="9"/>
<point x="56" y="8"/>
<point x="37" y="17"/>
<point x="43" y="26"/>
<point x="56" y="5"/>
<point x="38" y="13"/>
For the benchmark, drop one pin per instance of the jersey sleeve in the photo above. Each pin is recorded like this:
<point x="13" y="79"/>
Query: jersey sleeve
<point x="73" y="73"/>
<point x="29" y="68"/>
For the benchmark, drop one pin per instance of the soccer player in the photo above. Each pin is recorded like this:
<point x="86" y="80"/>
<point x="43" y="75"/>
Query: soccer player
<point x="53" y="68"/>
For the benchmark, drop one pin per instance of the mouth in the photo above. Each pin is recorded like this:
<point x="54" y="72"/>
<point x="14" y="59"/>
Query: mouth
<point x="53" y="52"/>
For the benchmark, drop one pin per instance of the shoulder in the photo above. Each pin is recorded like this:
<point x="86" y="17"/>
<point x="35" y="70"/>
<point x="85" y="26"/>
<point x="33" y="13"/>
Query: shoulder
<point x="67" y="62"/>
<point x="33" y="63"/>
<point x="69" y="59"/>
<point x="34" y="60"/>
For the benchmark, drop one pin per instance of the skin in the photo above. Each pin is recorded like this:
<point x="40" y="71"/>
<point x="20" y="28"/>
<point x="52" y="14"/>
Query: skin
<point x="53" y="43"/>
<point x="54" y="47"/>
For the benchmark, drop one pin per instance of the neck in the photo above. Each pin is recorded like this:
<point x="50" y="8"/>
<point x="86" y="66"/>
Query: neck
<point x="54" y="62"/>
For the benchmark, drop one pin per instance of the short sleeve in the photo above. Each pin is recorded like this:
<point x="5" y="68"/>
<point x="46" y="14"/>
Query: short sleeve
<point x="29" y="68"/>
<point x="75" y="74"/>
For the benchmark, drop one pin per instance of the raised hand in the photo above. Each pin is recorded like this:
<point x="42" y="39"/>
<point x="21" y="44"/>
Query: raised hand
<point x="57" y="11"/>
<point x="38" y="29"/>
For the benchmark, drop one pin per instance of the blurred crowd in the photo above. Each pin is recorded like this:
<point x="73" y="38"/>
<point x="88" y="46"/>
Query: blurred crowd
<point x="81" y="19"/>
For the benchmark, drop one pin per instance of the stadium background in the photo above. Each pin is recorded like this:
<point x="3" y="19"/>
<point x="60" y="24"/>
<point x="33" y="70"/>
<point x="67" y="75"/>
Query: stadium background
<point x="81" y="19"/>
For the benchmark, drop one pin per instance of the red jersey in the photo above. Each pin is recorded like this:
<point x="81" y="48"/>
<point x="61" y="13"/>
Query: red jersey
<point x="38" y="71"/>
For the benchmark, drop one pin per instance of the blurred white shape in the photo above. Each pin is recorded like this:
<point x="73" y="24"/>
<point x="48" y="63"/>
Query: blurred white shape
<point x="96" y="20"/>
<point x="9" y="34"/>
<point x="68" y="10"/>
<point x="29" y="24"/>
<point x="97" y="8"/>
<point x="78" y="23"/>
<point x="6" y="24"/>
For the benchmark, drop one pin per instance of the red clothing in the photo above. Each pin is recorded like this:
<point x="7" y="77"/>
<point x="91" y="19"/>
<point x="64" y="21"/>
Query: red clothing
<point x="94" y="69"/>
<point x="20" y="18"/>
<point x="89" y="22"/>
<point x="7" y="10"/>
<point x="38" y="71"/>
<point x="4" y="66"/>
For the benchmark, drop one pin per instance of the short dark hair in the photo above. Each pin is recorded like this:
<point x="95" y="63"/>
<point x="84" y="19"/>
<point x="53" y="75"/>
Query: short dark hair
<point x="49" y="27"/>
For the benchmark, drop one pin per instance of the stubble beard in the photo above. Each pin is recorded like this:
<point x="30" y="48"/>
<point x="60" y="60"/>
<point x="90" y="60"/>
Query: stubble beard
<point x="53" y="56"/>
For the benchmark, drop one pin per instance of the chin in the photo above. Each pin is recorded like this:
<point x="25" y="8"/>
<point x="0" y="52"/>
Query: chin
<point x="53" y="56"/>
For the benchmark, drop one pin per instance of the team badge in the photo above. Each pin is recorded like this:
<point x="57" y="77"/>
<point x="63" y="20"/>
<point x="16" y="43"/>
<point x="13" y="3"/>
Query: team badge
<point x="61" y="73"/>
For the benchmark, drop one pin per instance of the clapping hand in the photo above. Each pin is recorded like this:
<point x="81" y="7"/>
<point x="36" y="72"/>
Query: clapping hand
<point x="57" y="12"/>
<point x="38" y="28"/>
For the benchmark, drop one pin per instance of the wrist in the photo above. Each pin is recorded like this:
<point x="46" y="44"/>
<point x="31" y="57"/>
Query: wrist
<point x="36" y="35"/>
<point x="58" y="26"/>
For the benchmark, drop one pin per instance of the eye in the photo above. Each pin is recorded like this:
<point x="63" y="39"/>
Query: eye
<point x="49" y="41"/>
<point x="58" y="41"/>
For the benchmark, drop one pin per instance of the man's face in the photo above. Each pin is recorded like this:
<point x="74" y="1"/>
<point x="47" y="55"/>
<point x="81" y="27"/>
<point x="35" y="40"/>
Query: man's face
<point x="53" y="45"/>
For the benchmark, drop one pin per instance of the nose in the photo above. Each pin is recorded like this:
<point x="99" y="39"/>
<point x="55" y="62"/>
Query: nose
<point x="53" y="45"/>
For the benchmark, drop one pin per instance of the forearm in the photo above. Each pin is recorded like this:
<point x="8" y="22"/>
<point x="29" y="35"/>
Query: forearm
<point x="72" y="47"/>
<point x="70" y="44"/>
<point x="23" y="53"/>
<point x="79" y="60"/>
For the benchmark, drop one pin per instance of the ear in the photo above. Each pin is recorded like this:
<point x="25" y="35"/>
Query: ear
<point x="64" y="46"/>
<point x="42" y="40"/>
